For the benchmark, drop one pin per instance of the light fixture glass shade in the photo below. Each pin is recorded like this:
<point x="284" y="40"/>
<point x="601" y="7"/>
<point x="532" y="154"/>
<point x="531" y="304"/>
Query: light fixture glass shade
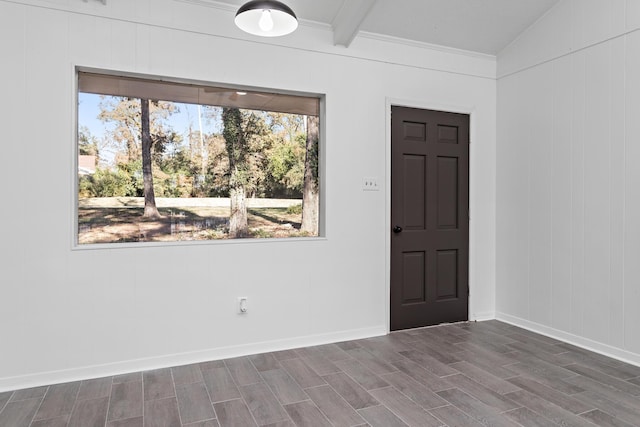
<point x="266" y="18"/>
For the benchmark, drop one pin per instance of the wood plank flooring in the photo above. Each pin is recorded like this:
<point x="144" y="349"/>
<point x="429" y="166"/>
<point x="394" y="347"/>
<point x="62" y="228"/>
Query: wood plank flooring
<point x="466" y="374"/>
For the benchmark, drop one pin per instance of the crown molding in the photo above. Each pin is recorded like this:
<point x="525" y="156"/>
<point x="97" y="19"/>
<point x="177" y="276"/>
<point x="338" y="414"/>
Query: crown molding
<point x="211" y="3"/>
<point x="424" y="45"/>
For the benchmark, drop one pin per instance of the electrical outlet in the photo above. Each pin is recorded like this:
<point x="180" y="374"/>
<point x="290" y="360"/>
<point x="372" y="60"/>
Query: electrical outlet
<point x="370" y="183"/>
<point x="242" y="305"/>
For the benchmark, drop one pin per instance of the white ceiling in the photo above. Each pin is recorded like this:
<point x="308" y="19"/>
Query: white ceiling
<point x="484" y="26"/>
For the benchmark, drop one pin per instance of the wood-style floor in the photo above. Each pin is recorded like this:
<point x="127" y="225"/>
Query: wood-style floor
<point x="468" y="374"/>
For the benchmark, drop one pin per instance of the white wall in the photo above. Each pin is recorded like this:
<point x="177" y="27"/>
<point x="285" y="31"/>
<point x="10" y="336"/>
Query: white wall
<point x="568" y="222"/>
<point x="69" y="314"/>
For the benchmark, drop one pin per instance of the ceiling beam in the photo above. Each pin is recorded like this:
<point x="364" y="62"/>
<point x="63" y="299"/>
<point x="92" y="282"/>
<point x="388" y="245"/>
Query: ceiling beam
<point x="347" y="22"/>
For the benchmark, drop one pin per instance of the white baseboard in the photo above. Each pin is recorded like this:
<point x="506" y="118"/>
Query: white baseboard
<point x="479" y="317"/>
<point x="586" y="343"/>
<point x="123" y="367"/>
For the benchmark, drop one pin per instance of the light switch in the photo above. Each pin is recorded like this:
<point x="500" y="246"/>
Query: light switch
<point x="370" y="183"/>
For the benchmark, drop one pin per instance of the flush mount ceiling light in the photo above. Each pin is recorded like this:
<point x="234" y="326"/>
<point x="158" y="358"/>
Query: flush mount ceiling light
<point x="266" y="18"/>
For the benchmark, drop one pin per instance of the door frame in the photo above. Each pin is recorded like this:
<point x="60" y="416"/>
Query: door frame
<point x="471" y="111"/>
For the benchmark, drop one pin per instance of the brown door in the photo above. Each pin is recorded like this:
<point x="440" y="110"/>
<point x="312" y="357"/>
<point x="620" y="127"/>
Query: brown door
<point x="429" y="217"/>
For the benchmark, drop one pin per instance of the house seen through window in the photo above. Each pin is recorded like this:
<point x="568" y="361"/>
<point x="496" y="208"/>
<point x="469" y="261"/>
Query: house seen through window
<point x="162" y="161"/>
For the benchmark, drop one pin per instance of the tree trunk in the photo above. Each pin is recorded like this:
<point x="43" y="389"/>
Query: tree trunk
<point x="238" y="224"/>
<point x="310" y="193"/>
<point x="150" y="209"/>
<point x="237" y="152"/>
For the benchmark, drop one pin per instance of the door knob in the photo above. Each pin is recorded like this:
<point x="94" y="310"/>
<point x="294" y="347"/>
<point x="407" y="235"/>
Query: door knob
<point x="397" y="229"/>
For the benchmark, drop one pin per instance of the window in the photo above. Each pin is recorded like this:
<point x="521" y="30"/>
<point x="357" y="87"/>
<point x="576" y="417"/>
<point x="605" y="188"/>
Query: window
<point x="163" y="161"/>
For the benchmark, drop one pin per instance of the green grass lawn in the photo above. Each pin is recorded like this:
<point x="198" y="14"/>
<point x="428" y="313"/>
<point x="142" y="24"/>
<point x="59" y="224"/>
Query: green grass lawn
<point x="105" y="224"/>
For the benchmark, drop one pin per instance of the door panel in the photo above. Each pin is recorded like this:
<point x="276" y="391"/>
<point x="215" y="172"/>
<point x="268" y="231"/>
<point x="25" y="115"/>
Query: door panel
<point x="447" y="274"/>
<point x="414" y="181"/>
<point x="447" y="197"/>
<point x="447" y="134"/>
<point x="429" y="214"/>
<point x="413" y="290"/>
